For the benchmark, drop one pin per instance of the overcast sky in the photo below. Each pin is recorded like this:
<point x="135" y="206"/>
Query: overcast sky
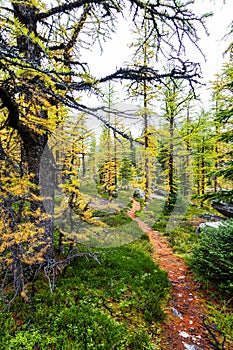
<point x="116" y="51"/>
<point x="218" y="25"/>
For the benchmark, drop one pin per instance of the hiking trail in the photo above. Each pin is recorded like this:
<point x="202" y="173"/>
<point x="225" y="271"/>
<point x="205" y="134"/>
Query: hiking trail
<point x="183" y="327"/>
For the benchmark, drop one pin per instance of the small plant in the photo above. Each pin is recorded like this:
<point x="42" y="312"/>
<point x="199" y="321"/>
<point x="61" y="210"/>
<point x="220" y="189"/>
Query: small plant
<point x="161" y="223"/>
<point x="182" y="238"/>
<point x="151" y="210"/>
<point x="219" y="325"/>
<point x="116" y="220"/>
<point x="216" y="338"/>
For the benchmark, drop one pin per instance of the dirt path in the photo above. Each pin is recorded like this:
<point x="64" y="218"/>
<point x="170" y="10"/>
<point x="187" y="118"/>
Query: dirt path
<point x="183" y="327"/>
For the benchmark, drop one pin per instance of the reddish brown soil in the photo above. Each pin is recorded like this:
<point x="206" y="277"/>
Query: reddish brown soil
<point x="183" y="327"/>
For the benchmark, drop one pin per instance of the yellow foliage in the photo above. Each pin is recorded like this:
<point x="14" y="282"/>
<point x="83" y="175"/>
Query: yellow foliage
<point x="20" y="227"/>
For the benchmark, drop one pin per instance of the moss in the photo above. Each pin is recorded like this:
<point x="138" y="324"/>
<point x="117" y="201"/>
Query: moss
<point x="116" y="303"/>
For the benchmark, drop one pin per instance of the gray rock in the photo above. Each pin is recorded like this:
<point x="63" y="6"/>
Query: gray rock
<point x="184" y="334"/>
<point x="208" y="224"/>
<point x="191" y="346"/>
<point x="176" y="313"/>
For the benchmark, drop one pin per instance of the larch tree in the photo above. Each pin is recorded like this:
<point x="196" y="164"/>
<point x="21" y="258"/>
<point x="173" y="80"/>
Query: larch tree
<point x="92" y="159"/>
<point x="176" y="98"/>
<point x="222" y="93"/>
<point x="144" y="56"/>
<point x="223" y="119"/>
<point x="41" y="76"/>
<point x="109" y="161"/>
<point x="203" y="145"/>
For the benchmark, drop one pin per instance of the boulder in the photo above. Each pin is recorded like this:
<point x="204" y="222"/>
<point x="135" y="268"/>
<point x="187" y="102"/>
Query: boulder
<point x="208" y="224"/>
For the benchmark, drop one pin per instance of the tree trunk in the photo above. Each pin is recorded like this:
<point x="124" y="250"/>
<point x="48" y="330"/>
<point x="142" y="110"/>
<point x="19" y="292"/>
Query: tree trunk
<point x="171" y="180"/>
<point x="34" y="142"/>
<point x="39" y="163"/>
<point x="203" y="173"/>
<point x="198" y="179"/>
<point x="187" y="188"/>
<point x="146" y="142"/>
<point x="83" y="165"/>
<point x="115" y="159"/>
<point x="3" y="155"/>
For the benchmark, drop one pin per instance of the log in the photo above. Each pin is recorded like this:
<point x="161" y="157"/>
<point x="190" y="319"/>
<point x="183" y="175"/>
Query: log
<point x="225" y="209"/>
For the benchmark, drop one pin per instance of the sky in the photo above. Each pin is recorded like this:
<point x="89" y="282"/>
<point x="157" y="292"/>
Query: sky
<point x="218" y="25"/>
<point x="116" y="51"/>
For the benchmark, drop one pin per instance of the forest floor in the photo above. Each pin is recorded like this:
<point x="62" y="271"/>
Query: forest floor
<point x="183" y="327"/>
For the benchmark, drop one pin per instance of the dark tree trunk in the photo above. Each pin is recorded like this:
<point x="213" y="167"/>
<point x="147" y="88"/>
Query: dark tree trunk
<point x="203" y="172"/>
<point x="83" y="164"/>
<point x="39" y="163"/>
<point x="2" y="153"/>
<point x="198" y="173"/>
<point x="34" y="140"/>
<point x="171" y="171"/>
<point x="132" y="153"/>
<point x="146" y="142"/>
<point x="187" y="188"/>
<point x="115" y="159"/>
<point x="216" y="165"/>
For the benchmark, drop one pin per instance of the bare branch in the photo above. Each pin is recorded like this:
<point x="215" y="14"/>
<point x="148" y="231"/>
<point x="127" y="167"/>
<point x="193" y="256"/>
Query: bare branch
<point x="75" y="5"/>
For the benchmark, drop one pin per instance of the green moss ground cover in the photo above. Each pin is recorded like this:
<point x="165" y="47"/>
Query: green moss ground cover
<point x="114" y="304"/>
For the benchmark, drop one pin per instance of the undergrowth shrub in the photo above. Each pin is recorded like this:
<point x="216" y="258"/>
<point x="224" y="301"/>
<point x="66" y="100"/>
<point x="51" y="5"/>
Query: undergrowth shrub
<point x="116" y="220"/>
<point x="221" y="317"/>
<point x="212" y="258"/>
<point x="114" y="304"/>
<point x="181" y="238"/>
